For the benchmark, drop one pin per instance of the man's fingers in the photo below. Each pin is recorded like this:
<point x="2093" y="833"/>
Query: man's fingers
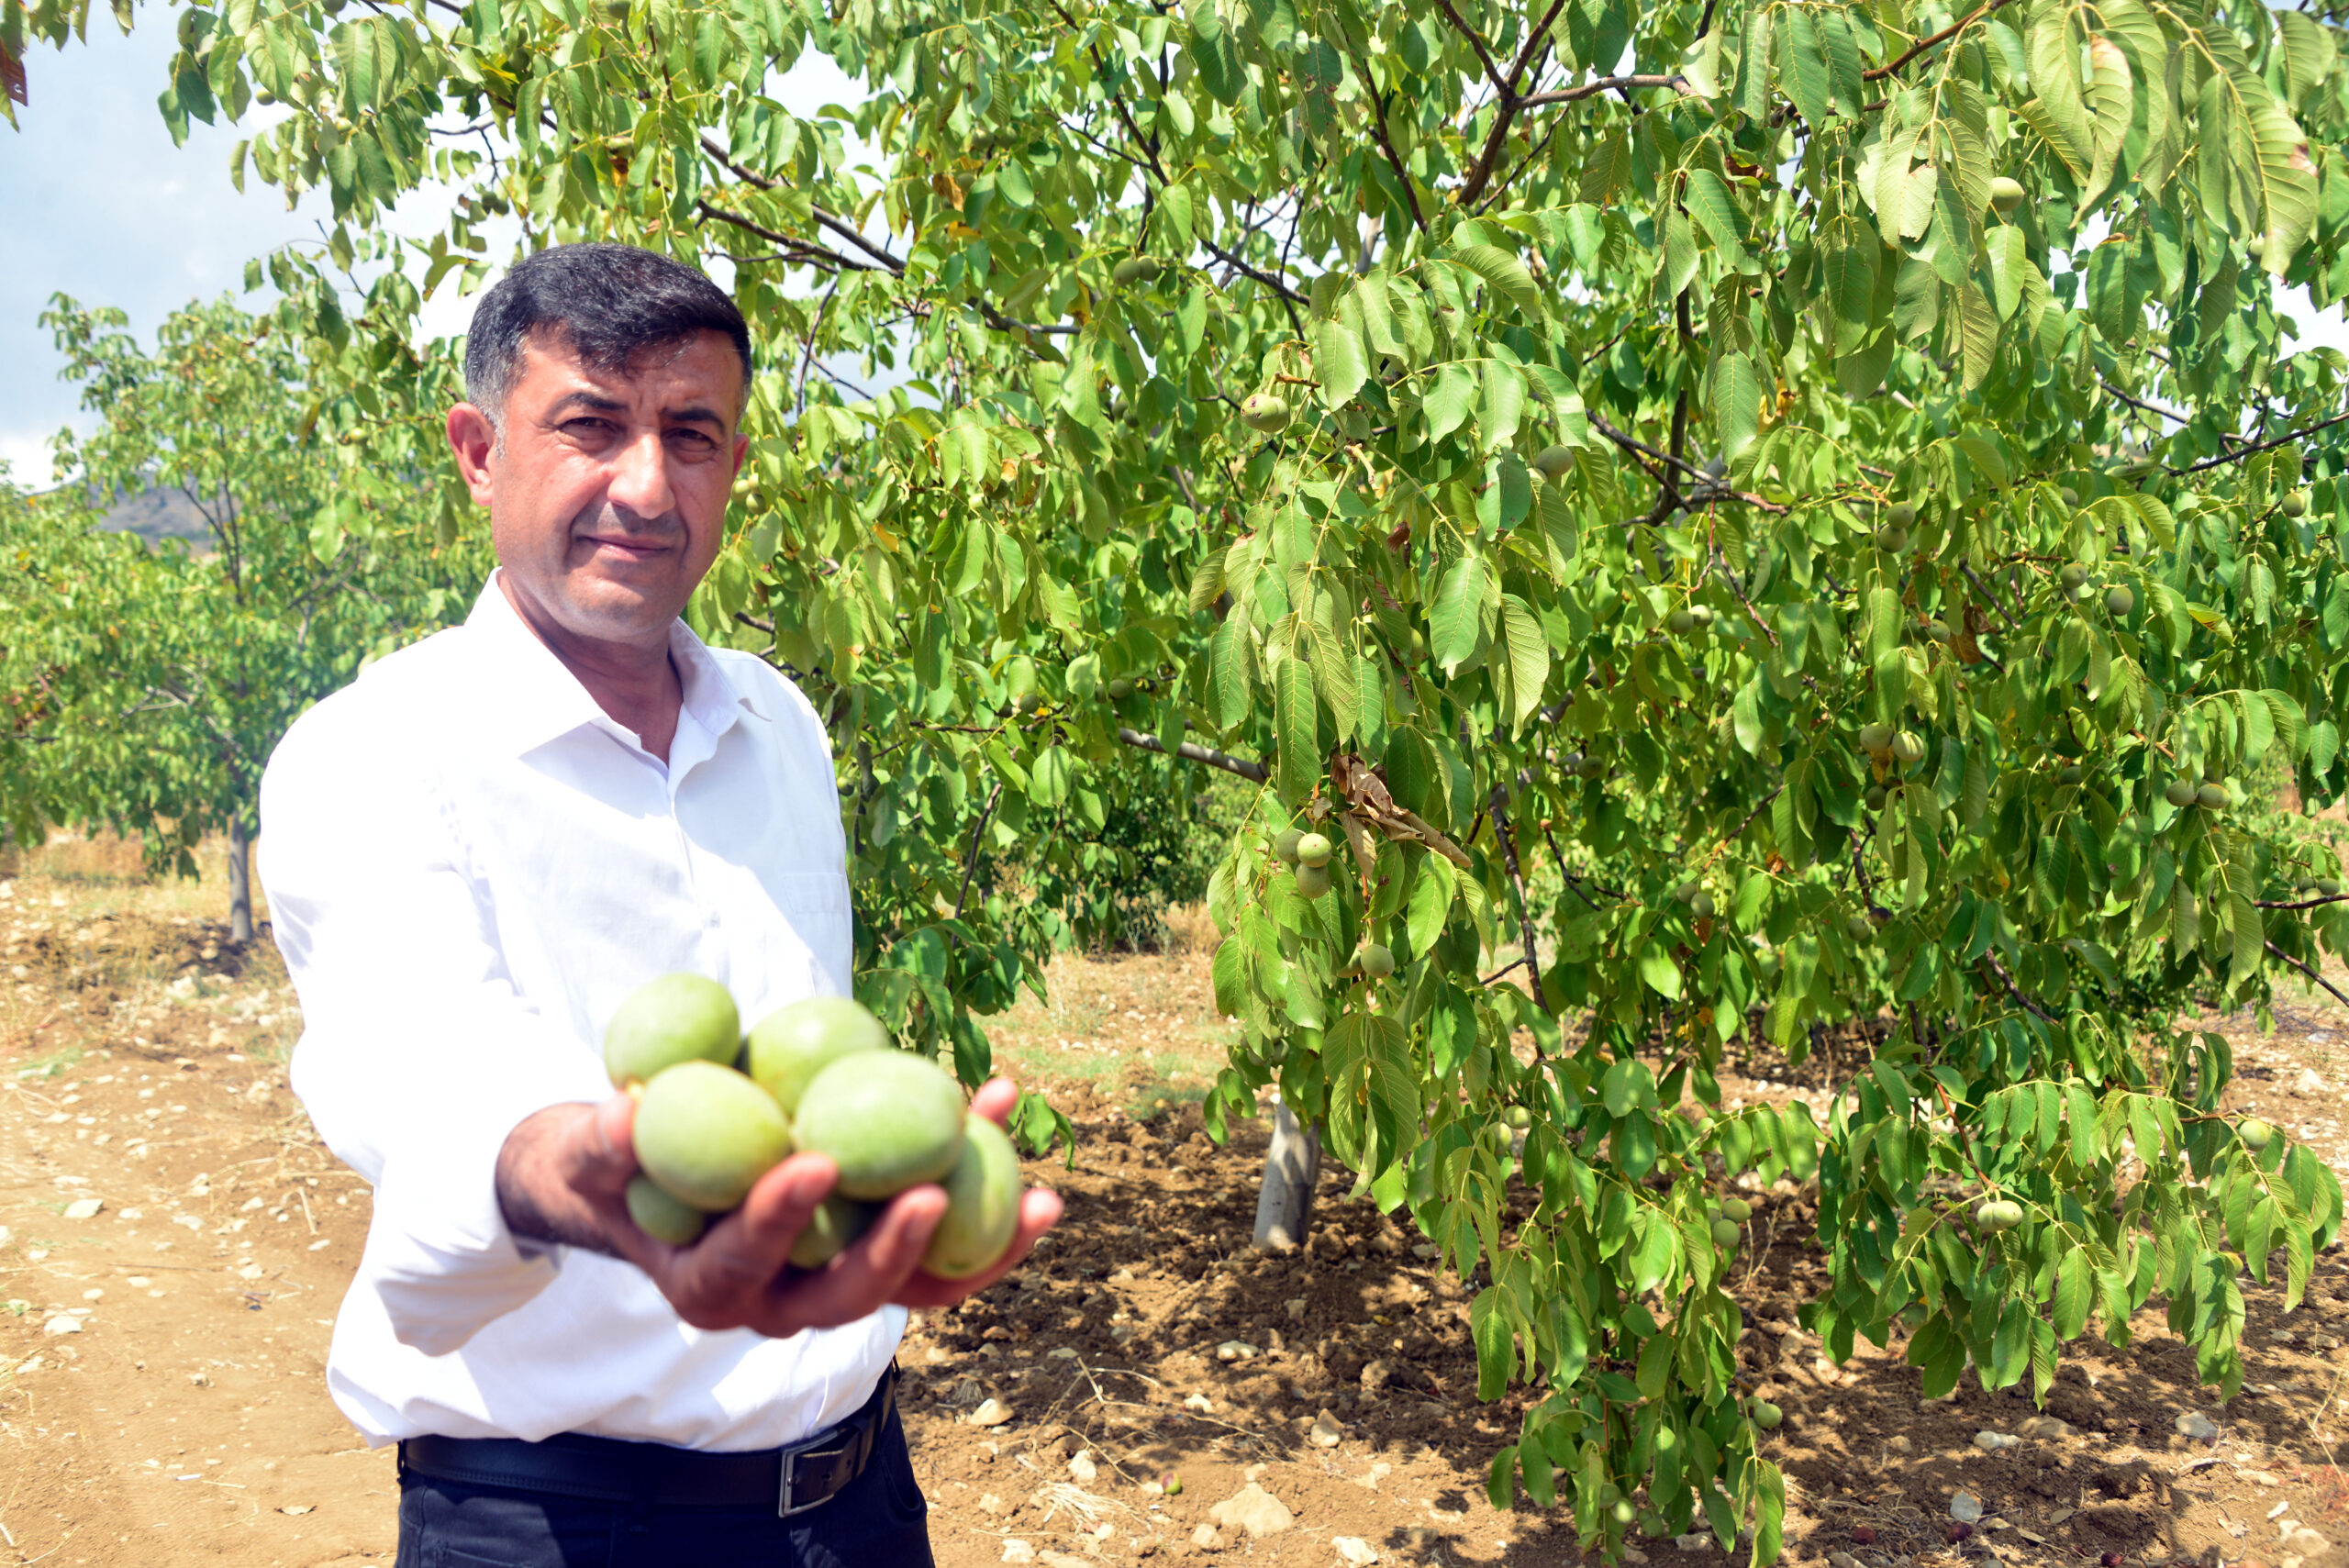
<point x="606" y="1147"/>
<point x="870" y="1271"/>
<point x="736" y="1258"/>
<point x="996" y="1101"/>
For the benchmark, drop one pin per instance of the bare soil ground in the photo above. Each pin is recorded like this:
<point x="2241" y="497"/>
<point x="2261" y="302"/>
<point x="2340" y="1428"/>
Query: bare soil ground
<point x="174" y="1241"/>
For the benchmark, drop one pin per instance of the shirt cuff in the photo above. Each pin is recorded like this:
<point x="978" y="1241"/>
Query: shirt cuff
<point x="440" y="1254"/>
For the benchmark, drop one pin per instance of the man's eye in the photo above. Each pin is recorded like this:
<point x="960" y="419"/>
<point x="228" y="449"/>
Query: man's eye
<point x="587" y="430"/>
<point x="697" y="440"/>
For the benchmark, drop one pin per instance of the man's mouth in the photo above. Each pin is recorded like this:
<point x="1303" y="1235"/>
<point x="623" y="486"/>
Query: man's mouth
<point x="628" y="548"/>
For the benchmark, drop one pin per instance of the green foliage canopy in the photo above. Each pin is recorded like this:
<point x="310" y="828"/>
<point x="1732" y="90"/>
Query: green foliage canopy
<point x="148" y="686"/>
<point x="1483" y="425"/>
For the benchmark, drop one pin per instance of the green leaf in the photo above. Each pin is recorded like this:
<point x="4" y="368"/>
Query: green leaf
<point x="1506" y="274"/>
<point x="1495" y="1343"/>
<point x="1296" y="712"/>
<point x="1529" y="656"/>
<point x="1736" y="405"/>
<point x="1656" y="968"/>
<point x="1340" y="360"/>
<point x="1457" y="619"/>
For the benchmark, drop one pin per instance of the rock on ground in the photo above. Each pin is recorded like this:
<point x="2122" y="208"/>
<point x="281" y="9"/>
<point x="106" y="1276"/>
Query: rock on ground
<point x="1253" y="1509"/>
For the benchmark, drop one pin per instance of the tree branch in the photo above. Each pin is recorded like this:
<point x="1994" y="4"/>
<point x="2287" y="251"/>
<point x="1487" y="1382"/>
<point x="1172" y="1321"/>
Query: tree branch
<point x="971" y="857"/>
<point x="1191" y="751"/>
<point x="1477" y="41"/>
<point x="1922" y="44"/>
<point x="2313" y="976"/>
<point x="2303" y="904"/>
<point x="2284" y="439"/>
<point x="2013" y="990"/>
<point x="1516" y="885"/>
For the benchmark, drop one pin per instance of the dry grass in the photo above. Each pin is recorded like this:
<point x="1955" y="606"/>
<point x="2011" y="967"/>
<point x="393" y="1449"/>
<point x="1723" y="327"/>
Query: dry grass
<point x="94" y="950"/>
<point x="1140" y="1028"/>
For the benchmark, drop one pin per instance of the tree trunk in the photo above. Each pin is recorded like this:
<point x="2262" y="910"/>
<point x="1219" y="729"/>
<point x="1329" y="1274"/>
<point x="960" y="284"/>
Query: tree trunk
<point x="1285" y="1203"/>
<point x="241" y="880"/>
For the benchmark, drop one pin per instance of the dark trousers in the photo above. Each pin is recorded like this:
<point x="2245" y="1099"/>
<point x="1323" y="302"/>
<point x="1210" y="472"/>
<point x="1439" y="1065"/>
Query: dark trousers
<point x="878" y="1520"/>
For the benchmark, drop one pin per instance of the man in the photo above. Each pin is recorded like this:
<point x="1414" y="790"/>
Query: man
<point x="472" y="854"/>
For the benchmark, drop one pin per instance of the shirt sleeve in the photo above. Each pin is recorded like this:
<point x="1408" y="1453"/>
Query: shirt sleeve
<point x="419" y="1055"/>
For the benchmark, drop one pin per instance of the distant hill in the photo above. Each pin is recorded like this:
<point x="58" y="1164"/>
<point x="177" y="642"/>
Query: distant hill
<point x="158" y="515"/>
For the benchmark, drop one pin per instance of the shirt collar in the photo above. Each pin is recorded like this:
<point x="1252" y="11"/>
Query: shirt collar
<point x="530" y="697"/>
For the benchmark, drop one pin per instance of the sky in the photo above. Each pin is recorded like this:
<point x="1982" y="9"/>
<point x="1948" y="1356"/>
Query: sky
<point x="99" y="204"/>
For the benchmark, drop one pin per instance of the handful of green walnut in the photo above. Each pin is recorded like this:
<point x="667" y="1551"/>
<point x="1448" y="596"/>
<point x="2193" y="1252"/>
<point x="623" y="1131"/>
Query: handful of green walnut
<point x="716" y="1109"/>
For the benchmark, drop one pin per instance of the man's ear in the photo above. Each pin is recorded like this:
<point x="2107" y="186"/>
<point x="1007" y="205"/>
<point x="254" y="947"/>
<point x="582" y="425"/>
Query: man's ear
<point x="473" y="437"/>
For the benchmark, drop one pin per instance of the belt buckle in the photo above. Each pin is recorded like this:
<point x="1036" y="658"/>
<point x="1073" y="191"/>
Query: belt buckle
<point x="786" y="1505"/>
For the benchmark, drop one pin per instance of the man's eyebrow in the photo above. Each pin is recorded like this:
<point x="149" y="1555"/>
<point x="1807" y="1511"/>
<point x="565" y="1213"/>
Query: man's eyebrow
<point x="585" y="403"/>
<point x="693" y="414"/>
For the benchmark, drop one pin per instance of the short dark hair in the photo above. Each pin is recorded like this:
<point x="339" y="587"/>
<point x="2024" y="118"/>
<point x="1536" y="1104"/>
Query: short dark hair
<point x="609" y="304"/>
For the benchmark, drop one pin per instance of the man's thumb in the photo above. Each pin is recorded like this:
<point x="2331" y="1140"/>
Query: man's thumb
<point x="612" y="1146"/>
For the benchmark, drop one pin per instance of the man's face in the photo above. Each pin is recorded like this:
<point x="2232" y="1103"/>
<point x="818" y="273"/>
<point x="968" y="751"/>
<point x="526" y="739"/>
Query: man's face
<point x="607" y="493"/>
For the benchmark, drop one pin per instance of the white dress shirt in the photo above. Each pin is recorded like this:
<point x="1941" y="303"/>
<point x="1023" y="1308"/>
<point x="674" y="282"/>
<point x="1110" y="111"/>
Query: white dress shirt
<point x="469" y="865"/>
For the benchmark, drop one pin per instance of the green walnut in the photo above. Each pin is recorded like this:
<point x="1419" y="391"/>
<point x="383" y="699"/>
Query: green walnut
<point x="1680" y="623"/>
<point x="1313" y="849"/>
<point x="1876" y="739"/>
<point x="1119" y="689"/>
<point x="1726" y="1235"/>
<point x="2255" y="1134"/>
<point x="1019" y="684"/>
<point x="792" y="1044"/>
<point x="1701" y="905"/>
<point x="1875" y="798"/>
<point x="1937" y="630"/>
<point x="662" y="1217"/>
<point x="2119" y="600"/>
<point x="982" y="1204"/>
<point x="1902" y="516"/>
<point x="2329" y="887"/>
<point x="2070" y="773"/>
<point x="2256" y="247"/>
<point x="2213" y="798"/>
<point x="674" y="1018"/>
<point x="1135" y="269"/>
<point x="1999" y="1214"/>
<point x="1703" y="615"/>
<point x="2070" y="496"/>
<point x="1684" y="892"/>
<point x="889" y="1120"/>
<point x="705" y="1133"/>
<point x="1313" y="881"/>
<point x="1377" y="960"/>
<point x="2180" y="792"/>
<point x="2294" y="504"/>
<point x="1517" y="1118"/>
<point x="1285" y="845"/>
<point x="2074" y="577"/>
<point x="1552" y="461"/>
<point x="1736" y="1208"/>
<point x="1892" y="539"/>
<point x="2006" y="195"/>
<point x="1266" y="411"/>
<point x="1860" y="928"/>
<point x="1767" y="1416"/>
<point x="837" y="1222"/>
<point x="1907" y="748"/>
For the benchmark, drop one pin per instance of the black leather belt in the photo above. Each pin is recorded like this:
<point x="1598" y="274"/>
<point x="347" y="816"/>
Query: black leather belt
<point x="794" y="1478"/>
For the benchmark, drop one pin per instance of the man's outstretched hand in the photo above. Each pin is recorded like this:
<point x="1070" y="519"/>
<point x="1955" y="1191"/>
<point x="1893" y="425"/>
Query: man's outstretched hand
<point x="562" y="1174"/>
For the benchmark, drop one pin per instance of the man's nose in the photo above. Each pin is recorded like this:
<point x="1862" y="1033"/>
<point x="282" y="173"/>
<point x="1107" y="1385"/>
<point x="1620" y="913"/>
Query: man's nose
<point x="640" y="481"/>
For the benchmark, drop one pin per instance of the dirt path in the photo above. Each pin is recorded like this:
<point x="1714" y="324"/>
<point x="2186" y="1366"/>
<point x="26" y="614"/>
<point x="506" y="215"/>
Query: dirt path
<point x="162" y="1403"/>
